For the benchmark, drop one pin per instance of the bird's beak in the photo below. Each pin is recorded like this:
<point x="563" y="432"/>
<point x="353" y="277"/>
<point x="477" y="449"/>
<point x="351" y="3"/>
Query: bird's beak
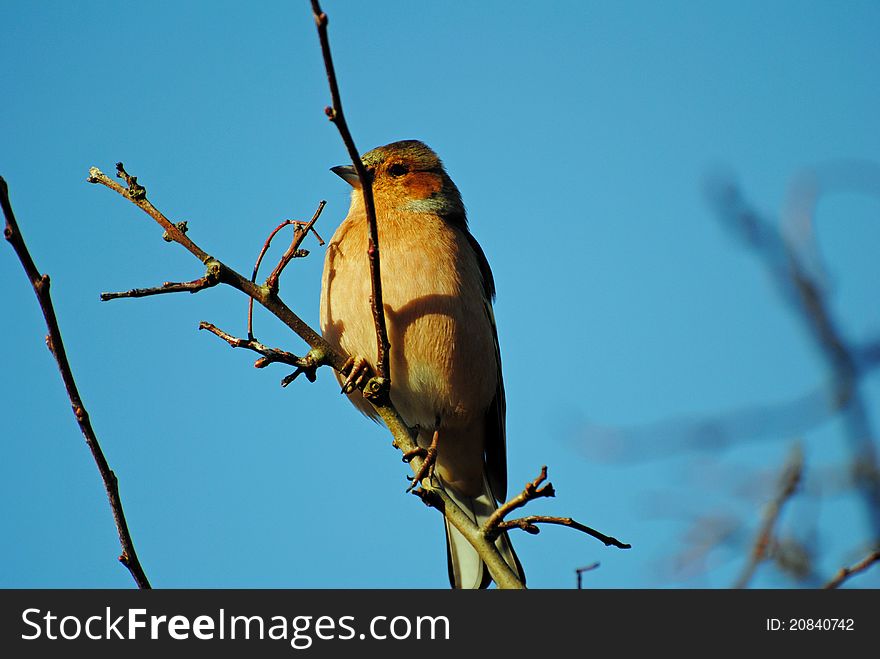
<point x="348" y="173"/>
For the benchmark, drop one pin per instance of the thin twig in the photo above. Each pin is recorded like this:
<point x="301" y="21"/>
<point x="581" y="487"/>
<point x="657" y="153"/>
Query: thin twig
<point x="250" y="316"/>
<point x="137" y="195"/>
<point x="336" y="115"/>
<point x="580" y="573"/>
<point x="846" y="572"/>
<point x="528" y="524"/>
<point x="532" y="490"/>
<point x="788" y="483"/>
<point x="193" y="286"/>
<point x="269" y="355"/>
<point x="293" y="251"/>
<point x="40" y="283"/>
<point x="300" y="231"/>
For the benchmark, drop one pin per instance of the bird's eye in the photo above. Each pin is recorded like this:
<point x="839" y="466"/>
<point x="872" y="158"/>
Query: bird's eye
<point x="397" y="169"/>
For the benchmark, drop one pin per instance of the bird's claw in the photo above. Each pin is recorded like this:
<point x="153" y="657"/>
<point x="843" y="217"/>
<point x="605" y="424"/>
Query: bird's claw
<point x="357" y="371"/>
<point x="426" y="469"/>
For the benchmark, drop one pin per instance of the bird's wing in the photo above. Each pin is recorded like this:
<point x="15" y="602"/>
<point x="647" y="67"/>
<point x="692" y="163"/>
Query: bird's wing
<point x="495" y="452"/>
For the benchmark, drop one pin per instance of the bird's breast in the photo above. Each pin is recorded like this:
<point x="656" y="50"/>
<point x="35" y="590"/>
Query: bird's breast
<point x="442" y="354"/>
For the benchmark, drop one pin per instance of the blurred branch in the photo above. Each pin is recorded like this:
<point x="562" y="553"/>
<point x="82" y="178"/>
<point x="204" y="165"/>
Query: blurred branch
<point x="40" y="283"/>
<point x="712" y="432"/>
<point x="846" y="572"/>
<point x="788" y="482"/>
<point x="796" y="284"/>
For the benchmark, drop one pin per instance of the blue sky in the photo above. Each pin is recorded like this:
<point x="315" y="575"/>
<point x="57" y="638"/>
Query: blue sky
<point x="581" y="135"/>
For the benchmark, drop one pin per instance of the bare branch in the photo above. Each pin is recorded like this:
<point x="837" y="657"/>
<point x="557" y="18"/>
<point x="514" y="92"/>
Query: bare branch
<point x="270" y="355"/>
<point x="208" y="281"/>
<point x="528" y="523"/>
<point x="533" y="490"/>
<point x="580" y="573"/>
<point x="336" y="115"/>
<point x="846" y="572"/>
<point x="40" y="283"/>
<point x="788" y="483"/>
<point x="137" y="194"/>
<point x="322" y="350"/>
<point x="299" y="234"/>
<point x="300" y="231"/>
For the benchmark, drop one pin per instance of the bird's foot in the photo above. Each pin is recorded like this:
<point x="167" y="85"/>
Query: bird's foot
<point x="426" y="469"/>
<point x="357" y="371"/>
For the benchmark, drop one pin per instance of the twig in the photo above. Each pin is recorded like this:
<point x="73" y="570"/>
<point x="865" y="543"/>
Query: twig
<point x="580" y="573"/>
<point x="293" y="251"/>
<point x="336" y="115"/>
<point x="531" y="491"/>
<point x="40" y="283"/>
<point x="300" y="231"/>
<point x="270" y="355"/>
<point x="137" y="195"/>
<point x="193" y="286"/>
<point x="528" y="523"/>
<point x="788" y="483"/>
<point x="846" y="572"/>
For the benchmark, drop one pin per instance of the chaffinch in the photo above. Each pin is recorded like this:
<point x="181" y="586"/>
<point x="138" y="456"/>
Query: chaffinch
<point x="444" y="357"/>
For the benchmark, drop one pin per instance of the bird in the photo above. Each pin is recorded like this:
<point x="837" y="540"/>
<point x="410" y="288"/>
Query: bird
<point x="445" y="361"/>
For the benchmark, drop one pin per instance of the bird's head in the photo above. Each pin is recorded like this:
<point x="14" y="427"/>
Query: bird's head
<point x="408" y="176"/>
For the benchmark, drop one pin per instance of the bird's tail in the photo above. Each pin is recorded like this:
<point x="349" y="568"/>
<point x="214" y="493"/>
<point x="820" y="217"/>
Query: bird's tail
<point x="466" y="568"/>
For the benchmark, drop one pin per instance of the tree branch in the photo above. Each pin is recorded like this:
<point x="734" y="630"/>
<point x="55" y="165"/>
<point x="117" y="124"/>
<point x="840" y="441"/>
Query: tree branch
<point x="528" y="523"/>
<point x="580" y="573"/>
<point x="40" y="283"/>
<point x="270" y="355"/>
<point x="336" y="115"/>
<point x="322" y="351"/>
<point x="194" y="286"/>
<point x="293" y="251"/>
<point x="533" y="490"/>
<point x="788" y="483"/>
<point x="300" y="231"/>
<point x="846" y="572"/>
